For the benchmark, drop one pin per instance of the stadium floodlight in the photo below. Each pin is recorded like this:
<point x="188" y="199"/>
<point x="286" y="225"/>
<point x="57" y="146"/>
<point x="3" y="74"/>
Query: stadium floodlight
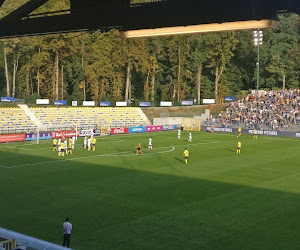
<point x="258" y="41"/>
<point x="201" y="28"/>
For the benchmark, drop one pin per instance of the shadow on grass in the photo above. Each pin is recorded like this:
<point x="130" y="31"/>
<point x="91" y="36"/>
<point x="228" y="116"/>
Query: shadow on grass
<point x="117" y="205"/>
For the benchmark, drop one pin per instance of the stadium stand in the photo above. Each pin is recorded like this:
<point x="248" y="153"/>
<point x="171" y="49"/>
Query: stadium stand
<point x="14" y="120"/>
<point x="88" y="117"/>
<point x="276" y="110"/>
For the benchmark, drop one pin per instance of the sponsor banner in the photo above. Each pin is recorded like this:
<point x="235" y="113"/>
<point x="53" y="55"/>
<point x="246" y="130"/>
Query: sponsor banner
<point x="60" y="102"/>
<point x="168" y="127"/>
<point x="121" y="104"/>
<point x="86" y="132"/>
<point x="229" y="98"/>
<point x="42" y="136"/>
<point x="105" y="104"/>
<point x="224" y="130"/>
<point x="166" y="104"/>
<point x="137" y="130"/>
<point x="7" y="99"/>
<point x="88" y="104"/>
<point x="208" y="101"/>
<point x="74" y="103"/>
<point x="42" y="101"/>
<point x="153" y="128"/>
<point x="97" y="132"/>
<point x="115" y="131"/>
<point x="60" y="134"/>
<point x="186" y="103"/>
<point x="12" y="137"/>
<point x="145" y="104"/>
<point x="251" y="131"/>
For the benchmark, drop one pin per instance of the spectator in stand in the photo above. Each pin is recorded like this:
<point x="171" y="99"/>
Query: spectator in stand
<point x="276" y="110"/>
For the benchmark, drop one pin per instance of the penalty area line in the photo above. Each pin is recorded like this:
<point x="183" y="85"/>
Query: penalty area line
<point x="118" y="154"/>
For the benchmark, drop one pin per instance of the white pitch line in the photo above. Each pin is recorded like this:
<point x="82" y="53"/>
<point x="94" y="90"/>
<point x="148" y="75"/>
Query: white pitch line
<point x="111" y="154"/>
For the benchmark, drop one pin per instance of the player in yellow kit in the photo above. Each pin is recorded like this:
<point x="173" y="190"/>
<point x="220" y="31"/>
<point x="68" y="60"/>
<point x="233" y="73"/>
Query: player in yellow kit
<point x="238" y="151"/>
<point x="62" y="149"/>
<point x="54" y="144"/>
<point x="239" y="131"/>
<point x="255" y="134"/>
<point x="186" y="154"/>
<point x="93" y="143"/>
<point x="70" y="147"/>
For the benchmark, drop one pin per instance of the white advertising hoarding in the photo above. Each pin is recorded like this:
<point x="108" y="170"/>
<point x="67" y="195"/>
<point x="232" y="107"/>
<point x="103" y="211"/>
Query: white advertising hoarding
<point x="88" y="104"/>
<point x="166" y="104"/>
<point x="121" y="104"/>
<point x="208" y="101"/>
<point x="74" y="103"/>
<point x="42" y="101"/>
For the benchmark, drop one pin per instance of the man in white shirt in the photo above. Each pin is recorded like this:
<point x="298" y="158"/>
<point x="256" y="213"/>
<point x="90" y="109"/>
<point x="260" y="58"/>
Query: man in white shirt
<point x="67" y="228"/>
<point x="190" y="137"/>
<point x="73" y="142"/>
<point x="179" y="133"/>
<point x="89" y="144"/>
<point x="150" y="143"/>
<point x="66" y="146"/>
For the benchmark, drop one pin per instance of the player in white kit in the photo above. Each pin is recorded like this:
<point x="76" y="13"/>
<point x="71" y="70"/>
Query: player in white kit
<point x="73" y="142"/>
<point x="150" y="143"/>
<point x="179" y="133"/>
<point x="66" y="146"/>
<point x="89" y="144"/>
<point x="190" y="137"/>
<point x="85" y="141"/>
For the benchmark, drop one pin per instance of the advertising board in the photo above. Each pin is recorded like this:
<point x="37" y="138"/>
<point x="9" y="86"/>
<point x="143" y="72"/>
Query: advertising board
<point x="7" y="99"/>
<point x="165" y="104"/>
<point x="153" y="128"/>
<point x="12" y="138"/>
<point x="251" y="131"/>
<point x="186" y="103"/>
<point x="42" y="101"/>
<point x="145" y="104"/>
<point x="121" y="104"/>
<point x="88" y="103"/>
<point x="59" y="134"/>
<point x="229" y="98"/>
<point x="137" y="130"/>
<point x="60" y="102"/>
<point x="168" y="127"/>
<point x="105" y="104"/>
<point x="74" y="103"/>
<point x="86" y="132"/>
<point x="42" y="136"/>
<point x="116" y="131"/>
<point x="208" y="101"/>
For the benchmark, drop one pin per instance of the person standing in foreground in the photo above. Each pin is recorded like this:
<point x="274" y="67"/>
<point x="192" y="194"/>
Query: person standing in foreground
<point x="186" y="154"/>
<point x="138" y="148"/>
<point x="67" y="227"/>
<point x="255" y="134"/>
<point x="190" y="137"/>
<point x="150" y="143"/>
<point x="238" y="151"/>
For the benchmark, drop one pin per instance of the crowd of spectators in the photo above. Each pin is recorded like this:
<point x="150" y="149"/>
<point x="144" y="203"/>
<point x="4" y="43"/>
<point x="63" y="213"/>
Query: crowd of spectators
<point x="275" y="110"/>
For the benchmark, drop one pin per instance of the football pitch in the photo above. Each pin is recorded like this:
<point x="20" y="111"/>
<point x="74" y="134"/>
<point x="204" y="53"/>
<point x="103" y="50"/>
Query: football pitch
<point x="118" y="200"/>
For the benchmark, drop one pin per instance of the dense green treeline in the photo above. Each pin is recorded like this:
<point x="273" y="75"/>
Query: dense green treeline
<point x="108" y="67"/>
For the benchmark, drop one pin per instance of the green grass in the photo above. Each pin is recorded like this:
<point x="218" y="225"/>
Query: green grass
<point x="117" y="200"/>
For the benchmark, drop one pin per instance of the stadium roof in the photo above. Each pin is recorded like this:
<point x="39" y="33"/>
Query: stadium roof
<point x="127" y="15"/>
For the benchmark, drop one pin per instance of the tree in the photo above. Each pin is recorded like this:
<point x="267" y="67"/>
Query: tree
<point x="219" y="51"/>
